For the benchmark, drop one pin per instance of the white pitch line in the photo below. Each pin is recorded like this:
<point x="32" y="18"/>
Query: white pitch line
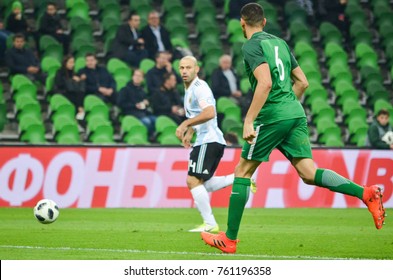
<point x="173" y="253"/>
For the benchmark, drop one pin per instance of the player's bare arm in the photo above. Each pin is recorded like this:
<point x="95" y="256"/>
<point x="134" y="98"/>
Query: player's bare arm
<point x="207" y="114"/>
<point x="300" y="82"/>
<point x="187" y="137"/>
<point x="262" y="74"/>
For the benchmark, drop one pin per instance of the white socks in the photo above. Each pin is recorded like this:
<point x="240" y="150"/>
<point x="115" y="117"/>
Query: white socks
<point x="218" y="182"/>
<point x="202" y="202"/>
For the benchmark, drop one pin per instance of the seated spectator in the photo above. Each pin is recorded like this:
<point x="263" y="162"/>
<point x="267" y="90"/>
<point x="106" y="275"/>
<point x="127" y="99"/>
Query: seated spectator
<point x="378" y="129"/>
<point x="128" y="45"/>
<point x="98" y="80"/>
<point x="68" y="83"/>
<point x="155" y="76"/>
<point x="235" y="6"/>
<point x="21" y="60"/>
<point x="50" y="24"/>
<point x="133" y="101"/>
<point x="16" y="22"/>
<point x="333" y="11"/>
<point x="167" y="101"/>
<point x="224" y="81"/>
<point x="156" y="36"/>
<point x="3" y="41"/>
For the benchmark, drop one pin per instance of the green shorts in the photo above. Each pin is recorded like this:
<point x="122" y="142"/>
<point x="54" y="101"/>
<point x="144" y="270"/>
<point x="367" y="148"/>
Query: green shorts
<point x="289" y="136"/>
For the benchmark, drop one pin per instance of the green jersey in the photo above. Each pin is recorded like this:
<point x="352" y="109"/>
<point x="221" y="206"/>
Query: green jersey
<point x="282" y="103"/>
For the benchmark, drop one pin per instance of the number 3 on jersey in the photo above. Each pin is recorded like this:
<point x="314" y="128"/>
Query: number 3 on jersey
<point x="279" y="64"/>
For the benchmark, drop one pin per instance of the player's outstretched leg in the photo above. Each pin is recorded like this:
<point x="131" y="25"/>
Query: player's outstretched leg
<point x="220" y="241"/>
<point x="372" y="197"/>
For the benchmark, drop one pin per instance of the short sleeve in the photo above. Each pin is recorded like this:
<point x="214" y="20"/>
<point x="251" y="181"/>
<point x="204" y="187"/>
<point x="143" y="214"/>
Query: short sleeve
<point x="253" y="54"/>
<point x="204" y="96"/>
<point x="294" y="63"/>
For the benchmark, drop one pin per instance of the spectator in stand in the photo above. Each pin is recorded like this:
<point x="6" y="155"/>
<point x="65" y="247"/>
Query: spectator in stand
<point x="378" y="130"/>
<point x="155" y="76"/>
<point x="231" y="139"/>
<point x="128" y="45"/>
<point x="16" y="22"/>
<point x="225" y="81"/>
<point x="334" y="11"/>
<point x="133" y="101"/>
<point x="98" y="80"/>
<point x="21" y="60"/>
<point x="156" y="36"/>
<point x="167" y="101"/>
<point x="50" y="24"/>
<point x="235" y="6"/>
<point x="3" y="41"/>
<point x="72" y="86"/>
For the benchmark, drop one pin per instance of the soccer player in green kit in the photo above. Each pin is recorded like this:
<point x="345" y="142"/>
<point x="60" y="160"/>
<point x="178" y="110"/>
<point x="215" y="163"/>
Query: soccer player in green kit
<point x="276" y="119"/>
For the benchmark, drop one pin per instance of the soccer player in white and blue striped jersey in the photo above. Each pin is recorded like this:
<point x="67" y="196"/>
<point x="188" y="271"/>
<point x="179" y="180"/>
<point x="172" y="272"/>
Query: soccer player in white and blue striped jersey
<point x="208" y="149"/>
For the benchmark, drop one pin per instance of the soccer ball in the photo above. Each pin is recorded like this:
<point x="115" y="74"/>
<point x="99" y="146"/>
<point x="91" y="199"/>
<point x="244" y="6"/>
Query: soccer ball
<point x="46" y="211"/>
<point x="388" y="138"/>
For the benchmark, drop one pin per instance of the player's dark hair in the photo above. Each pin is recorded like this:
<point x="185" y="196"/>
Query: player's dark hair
<point x="383" y="112"/>
<point x="252" y="14"/>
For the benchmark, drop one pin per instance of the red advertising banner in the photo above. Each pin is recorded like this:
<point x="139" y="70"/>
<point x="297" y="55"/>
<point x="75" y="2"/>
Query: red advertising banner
<point x="87" y="177"/>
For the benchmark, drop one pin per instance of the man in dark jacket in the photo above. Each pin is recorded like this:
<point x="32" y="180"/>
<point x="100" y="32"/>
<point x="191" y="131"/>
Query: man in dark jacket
<point x="156" y="36"/>
<point x="128" y="45"/>
<point x="378" y="129"/>
<point x="21" y="60"/>
<point x="50" y="24"/>
<point x="155" y="76"/>
<point x="167" y="101"/>
<point x="98" y="80"/>
<point x="133" y="101"/>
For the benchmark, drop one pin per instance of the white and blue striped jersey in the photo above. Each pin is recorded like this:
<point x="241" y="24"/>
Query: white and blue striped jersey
<point x="197" y="97"/>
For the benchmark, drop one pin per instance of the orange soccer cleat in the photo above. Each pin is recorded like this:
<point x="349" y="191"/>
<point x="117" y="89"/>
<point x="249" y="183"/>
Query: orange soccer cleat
<point x="372" y="197"/>
<point x="220" y="241"/>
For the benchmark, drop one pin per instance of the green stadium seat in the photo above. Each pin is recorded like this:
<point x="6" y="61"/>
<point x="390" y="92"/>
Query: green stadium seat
<point x="330" y="33"/>
<point x="45" y="41"/>
<point x="34" y="134"/>
<point x="103" y="134"/>
<point x="18" y="80"/>
<point x="355" y="124"/>
<point x="50" y="65"/>
<point x="318" y="93"/>
<point x="92" y="101"/>
<point x="323" y="124"/>
<point x="355" y="13"/>
<point x="168" y="139"/>
<point x="69" y="134"/>
<point x="334" y="141"/>
<point x="25" y="90"/>
<point x="230" y="124"/>
<point x="165" y="123"/>
<point x="294" y="12"/>
<point x="382" y="104"/>
<point x="146" y="64"/>
<point x="80" y="9"/>
<point x="62" y="120"/>
<point x="233" y="113"/>
<point x="133" y="131"/>
<point x="223" y="103"/>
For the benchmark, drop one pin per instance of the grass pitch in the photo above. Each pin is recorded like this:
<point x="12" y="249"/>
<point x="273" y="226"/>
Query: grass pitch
<point x="161" y="234"/>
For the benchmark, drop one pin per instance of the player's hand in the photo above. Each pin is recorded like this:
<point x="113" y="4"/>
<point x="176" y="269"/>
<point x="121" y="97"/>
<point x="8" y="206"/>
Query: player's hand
<point x="249" y="133"/>
<point x="181" y="129"/>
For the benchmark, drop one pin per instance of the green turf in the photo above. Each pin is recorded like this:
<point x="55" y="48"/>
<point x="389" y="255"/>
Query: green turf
<point x="155" y="234"/>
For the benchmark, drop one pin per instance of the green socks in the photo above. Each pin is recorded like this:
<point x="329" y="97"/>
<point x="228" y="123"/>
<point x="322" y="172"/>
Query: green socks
<point x="237" y="202"/>
<point x="336" y="183"/>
